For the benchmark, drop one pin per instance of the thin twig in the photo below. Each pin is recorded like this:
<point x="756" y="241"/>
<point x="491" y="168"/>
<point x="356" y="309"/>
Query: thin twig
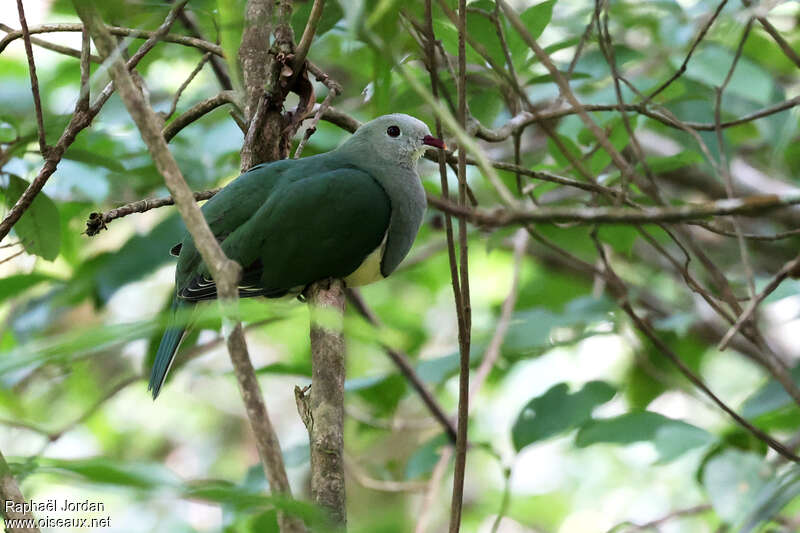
<point x="53" y="47"/>
<point x="188" y="19"/>
<point x="98" y="221"/>
<point x="86" y="72"/>
<point x="185" y="84"/>
<point x="332" y="93"/>
<point x="401" y="360"/>
<point x="505" y="501"/>
<point x="751" y="236"/>
<point x="118" y="31"/>
<point x="308" y="34"/>
<point x="786" y="270"/>
<point x="12" y="256"/>
<point x="646" y="329"/>
<point x="698" y="39"/>
<point x="383" y="485"/>
<point x="630" y="527"/>
<point x="197" y="111"/>
<point x="465" y="324"/>
<point x="723" y="161"/>
<point x="429" y="500"/>
<point x="37" y="102"/>
<point x="499" y="216"/>
<point x="80" y="119"/>
<point x="785" y="47"/>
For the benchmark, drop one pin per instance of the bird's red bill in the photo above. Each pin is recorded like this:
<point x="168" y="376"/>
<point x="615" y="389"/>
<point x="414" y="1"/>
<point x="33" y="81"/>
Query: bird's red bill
<point x="430" y="140"/>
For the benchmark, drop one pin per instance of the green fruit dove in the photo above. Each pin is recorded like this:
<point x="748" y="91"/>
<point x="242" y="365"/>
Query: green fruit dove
<point x="351" y="213"/>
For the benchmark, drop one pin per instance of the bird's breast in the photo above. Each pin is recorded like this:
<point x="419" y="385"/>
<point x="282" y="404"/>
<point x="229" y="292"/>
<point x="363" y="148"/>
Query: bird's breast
<point x="369" y="271"/>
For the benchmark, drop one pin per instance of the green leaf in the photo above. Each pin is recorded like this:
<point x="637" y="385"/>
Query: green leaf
<point x="39" y="228"/>
<point x="19" y="283"/>
<point x="617" y="134"/>
<point x="548" y="78"/>
<point x="769" y="398"/>
<point x="294" y="369"/>
<point x="530" y="329"/>
<point x="710" y="65"/>
<point x="569" y="146"/>
<point x="111" y="472"/>
<point x="671" y="437"/>
<point x="772" y="498"/>
<point x="422" y="461"/>
<point x="557" y="411"/>
<point x="381" y="392"/>
<point x="231" y="20"/>
<point x="733" y="479"/>
<point x="484" y="32"/>
<point x="536" y="18"/>
<point x="140" y="255"/>
<point x="684" y="158"/>
<point x="94" y="158"/>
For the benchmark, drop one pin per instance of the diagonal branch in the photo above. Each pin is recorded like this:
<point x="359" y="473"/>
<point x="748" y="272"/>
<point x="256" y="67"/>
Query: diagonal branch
<point x="620" y="290"/>
<point x="224" y="271"/>
<point x="402" y="363"/>
<point x="196" y="111"/>
<point x="217" y="62"/>
<point x="304" y="45"/>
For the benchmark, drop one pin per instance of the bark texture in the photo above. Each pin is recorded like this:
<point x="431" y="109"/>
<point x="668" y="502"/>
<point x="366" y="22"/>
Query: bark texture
<point x="9" y="491"/>
<point x="326" y="301"/>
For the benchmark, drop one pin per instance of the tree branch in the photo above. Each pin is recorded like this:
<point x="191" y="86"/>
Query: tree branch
<point x="37" y="102"/>
<point x="621" y="292"/>
<point x="9" y="492"/>
<point x="224" y="271"/>
<point x="118" y="31"/>
<point x="308" y="34"/>
<point x="98" y="221"/>
<point x="326" y="301"/>
<point x="217" y="62"/>
<point x="197" y="111"/>
<point x="401" y="361"/>
<point x="747" y="205"/>
<point x="53" y="47"/>
<point x="465" y="324"/>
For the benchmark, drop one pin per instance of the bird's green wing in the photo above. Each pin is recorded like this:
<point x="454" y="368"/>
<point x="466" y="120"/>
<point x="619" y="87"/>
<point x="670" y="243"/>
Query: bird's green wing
<point x="227" y="210"/>
<point x="310" y="228"/>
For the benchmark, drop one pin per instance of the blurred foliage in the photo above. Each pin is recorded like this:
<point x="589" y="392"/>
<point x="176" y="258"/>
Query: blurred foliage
<point x="592" y="424"/>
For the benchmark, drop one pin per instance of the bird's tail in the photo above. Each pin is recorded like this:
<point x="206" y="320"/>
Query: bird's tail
<point x="166" y="350"/>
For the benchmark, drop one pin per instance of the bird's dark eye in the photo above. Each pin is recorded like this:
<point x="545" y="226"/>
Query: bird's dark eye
<point x="393" y="131"/>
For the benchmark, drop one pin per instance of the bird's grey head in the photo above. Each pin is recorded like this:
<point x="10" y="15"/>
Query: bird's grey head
<point x="396" y="138"/>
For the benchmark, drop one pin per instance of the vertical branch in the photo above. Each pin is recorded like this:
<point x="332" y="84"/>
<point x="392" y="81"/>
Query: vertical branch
<point x="326" y="300"/>
<point x="86" y="71"/>
<point x="37" y="102"/>
<point x="448" y="221"/>
<point x="253" y="52"/>
<point x="466" y="319"/>
<point x="9" y="492"/>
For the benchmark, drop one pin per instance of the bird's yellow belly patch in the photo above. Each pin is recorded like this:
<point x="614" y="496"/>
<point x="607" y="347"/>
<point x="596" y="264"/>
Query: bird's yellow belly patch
<point x="370" y="269"/>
